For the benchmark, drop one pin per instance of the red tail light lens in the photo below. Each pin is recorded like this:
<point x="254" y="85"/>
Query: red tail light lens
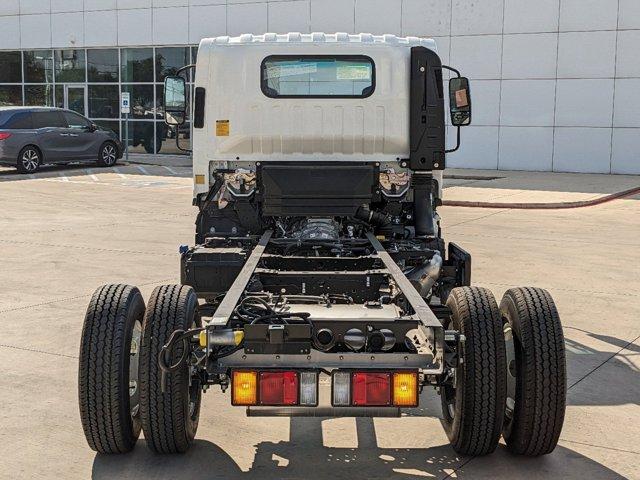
<point x="4" y="136"/>
<point x="278" y="388"/>
<point x="371" y="389"/>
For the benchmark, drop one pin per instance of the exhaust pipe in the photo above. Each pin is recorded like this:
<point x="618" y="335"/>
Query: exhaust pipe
<point x="424" y="276"/>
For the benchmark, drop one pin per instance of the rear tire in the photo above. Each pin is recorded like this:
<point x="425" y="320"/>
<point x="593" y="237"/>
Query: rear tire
<point x="534" y="418"/>
<point x="108" y="398"/>
<point x="169" y="419"/>
<point x="108" y="154"/>
<point x="473" y="409"/>
<point x="29" y="159"/>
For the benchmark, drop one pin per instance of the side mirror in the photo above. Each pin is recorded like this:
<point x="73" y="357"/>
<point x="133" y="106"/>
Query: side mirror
<point x="92" y="128"/>
<point x="175" y="100"/>
<point x="460" y="101"/>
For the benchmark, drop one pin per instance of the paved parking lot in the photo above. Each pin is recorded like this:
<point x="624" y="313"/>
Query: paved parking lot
<point x="65" y="231"/>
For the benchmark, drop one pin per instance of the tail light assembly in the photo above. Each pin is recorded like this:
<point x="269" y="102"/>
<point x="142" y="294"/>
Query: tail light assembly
<point x="4" y="135"/>
<point x="274" y="388"/>
<point x="375" y="389"/>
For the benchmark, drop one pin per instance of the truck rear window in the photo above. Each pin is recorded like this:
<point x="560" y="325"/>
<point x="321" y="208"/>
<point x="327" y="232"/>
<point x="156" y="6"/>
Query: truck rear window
<point x="318" y="76"/>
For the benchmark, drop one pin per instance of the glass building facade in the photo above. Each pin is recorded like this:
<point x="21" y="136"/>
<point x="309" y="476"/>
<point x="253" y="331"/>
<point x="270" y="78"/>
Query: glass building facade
<point x="89" y="81"/>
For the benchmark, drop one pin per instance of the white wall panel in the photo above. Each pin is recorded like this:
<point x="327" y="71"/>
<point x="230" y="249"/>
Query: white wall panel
<point x="35" y="31"/>
<point x="378" y="16"/>
<point x="332" y="15"/>
<point x="527" y="103"/>
<point x="170" y="25"/>
<point x="90" y="5"/>
<point x="628" y="54"/>
<point x="426" y="18"/>
<point x="246" y="18"/>
<point x="576" y="15"/>
<point x="207" y="21"/>
<point x="627" y="103"/>
<point x="67" y="30"/>
<point x="625" y="154"/>
<point x="586" y="55"/>
<point x="100" y="28"/>
<point x="60" y="6"/>
<point x="485" y="95"/>
<point x="479" y="148"/>
<point x="586" y="150"/>
<point x="526" y="16"/>
<point x="10" y="32"/>
<point x="9" y="7"/>
<point x="479" y="57"/>
<point x="287" y="17"/>
<point x="34" y="6"/>
<point x="478" y="17"/>
<point x="530" y="55"/>
<point x="584" y="103"/>
<point x="526" y="148"/>
<point x="128" y="4"/>
<point x="629" y="15"/>
<point x="134" y="27"/>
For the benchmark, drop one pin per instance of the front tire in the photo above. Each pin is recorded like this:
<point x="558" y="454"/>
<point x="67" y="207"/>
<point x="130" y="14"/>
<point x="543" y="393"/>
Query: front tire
<point x="108" y="371"/>
<point x="108" y="154"/>
<point x="473" y="407"/>
<point x="29" y="160"/>
<point x="537" y="371"/>
<point x="169" y="418"/>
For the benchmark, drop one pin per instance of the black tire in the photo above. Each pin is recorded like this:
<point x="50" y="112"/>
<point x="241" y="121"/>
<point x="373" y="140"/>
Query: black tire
<point x="473" y="410"/>
<point x="533" y="425"/>
<point x="29" y="159"/>
<point x="169" y="419"/>
<point x="109" y="408"/>
<point x="108" y="154"/>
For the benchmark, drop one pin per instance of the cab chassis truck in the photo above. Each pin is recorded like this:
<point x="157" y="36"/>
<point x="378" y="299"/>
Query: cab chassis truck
<point x="320" y="283"/>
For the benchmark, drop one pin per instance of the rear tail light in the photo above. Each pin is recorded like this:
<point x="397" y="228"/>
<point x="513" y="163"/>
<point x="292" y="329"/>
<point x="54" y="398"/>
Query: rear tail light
<point x="278" y="388"/>
<point x="4" y="136"/>
<point x="375" y="389"/>
<point x="274" y="388"/>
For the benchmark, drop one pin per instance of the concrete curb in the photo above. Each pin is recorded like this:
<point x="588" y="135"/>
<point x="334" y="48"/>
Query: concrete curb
<point x="544" y="206"/>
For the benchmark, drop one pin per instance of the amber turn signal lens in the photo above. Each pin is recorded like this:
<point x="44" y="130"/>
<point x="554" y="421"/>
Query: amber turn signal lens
<point x="244" y="388"/>
<point x="405" y="389"/>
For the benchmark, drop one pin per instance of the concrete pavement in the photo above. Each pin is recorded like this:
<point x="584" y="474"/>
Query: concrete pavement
<point x="67" y="230"/>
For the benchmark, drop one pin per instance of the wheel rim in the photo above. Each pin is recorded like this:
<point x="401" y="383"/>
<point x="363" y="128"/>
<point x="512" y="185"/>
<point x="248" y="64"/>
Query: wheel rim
<point x="512" y="378"/>
<point x="109" y="154"/>
<point x="134" y="362"/>
<point x="30" y="160"/>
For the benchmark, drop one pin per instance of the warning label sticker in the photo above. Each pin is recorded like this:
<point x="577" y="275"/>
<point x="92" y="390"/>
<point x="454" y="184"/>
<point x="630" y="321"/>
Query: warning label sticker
<point x="222" y="128"/>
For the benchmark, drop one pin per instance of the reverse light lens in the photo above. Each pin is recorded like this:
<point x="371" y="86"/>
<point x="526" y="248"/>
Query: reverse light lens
<point x="405" y="389"/>
<point x="341" y="389"/>
<point x="371" y="389"/>
<point x="245" y="388"/>
<point x="278" y="388"/>
<point x="308" y="388"/>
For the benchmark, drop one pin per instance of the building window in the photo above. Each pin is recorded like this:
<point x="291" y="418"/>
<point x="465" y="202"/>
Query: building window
<point x="102" y="65"/>
<point x="110" y="125"/>
<point x="104" y="101"/>
<point x="38" y="95"/>
<point x="169" y="60"/>
<point x="11" y="71"/>
<point x="142" y="103"/>
<point x="38" y="66"/>
<point x="136" y="65"/>
<point x="142" y="137"/>
<point x="70" y="66"/>
<point x="10" y="95"/>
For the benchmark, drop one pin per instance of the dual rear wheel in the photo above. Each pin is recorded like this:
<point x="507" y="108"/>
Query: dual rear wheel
<point x="511" y="377"/>
<point x="119" y="382"/>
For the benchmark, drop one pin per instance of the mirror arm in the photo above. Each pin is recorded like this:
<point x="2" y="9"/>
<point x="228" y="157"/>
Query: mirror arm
<point x="451" y="69"/>
<point x="457" y="143"/>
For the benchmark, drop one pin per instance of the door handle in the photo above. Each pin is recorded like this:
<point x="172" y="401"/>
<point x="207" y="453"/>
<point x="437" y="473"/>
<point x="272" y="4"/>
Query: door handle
<point x="72" y="134"/>
<point x="64" y="134"/>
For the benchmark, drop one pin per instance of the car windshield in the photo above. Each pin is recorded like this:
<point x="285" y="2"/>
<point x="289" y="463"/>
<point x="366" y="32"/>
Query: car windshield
<point x="318" y="77"/>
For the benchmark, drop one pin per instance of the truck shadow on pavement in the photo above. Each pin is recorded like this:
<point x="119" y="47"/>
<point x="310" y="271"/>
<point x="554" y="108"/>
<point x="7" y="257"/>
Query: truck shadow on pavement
<point x="305" y="457"/>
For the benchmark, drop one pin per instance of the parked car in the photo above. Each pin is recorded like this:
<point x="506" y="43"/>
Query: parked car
<point x="33" y="136"/>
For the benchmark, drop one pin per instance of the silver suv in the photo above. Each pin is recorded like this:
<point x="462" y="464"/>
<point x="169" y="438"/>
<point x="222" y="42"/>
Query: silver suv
<point x="32" y="136"/>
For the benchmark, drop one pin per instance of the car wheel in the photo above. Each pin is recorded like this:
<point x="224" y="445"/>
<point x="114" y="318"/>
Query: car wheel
<point x="29" y="160"/>
<point x="108" y="155"/>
